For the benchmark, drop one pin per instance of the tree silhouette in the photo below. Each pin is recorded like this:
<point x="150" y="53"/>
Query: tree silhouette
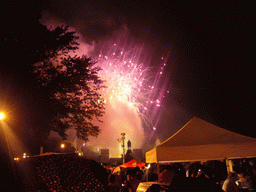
<point x="58" y="91"/>
<point x="73" y="88"/>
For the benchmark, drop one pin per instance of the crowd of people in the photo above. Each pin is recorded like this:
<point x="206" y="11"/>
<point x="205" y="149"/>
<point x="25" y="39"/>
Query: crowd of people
<point x="243" y="178"/>
<point x="210" y="176"/>
<point x="126" y="181"/>
<point x="171" y="178"/>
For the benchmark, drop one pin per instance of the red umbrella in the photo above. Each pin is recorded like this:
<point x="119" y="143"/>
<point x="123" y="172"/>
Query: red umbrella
<point x="130" y="164"/>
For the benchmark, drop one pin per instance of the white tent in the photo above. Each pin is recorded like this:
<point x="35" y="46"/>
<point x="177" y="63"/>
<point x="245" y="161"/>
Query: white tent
<point x="199" y="140"/>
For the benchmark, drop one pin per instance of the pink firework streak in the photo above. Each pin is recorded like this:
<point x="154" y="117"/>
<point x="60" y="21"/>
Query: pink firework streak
<point x="132" y="97"/>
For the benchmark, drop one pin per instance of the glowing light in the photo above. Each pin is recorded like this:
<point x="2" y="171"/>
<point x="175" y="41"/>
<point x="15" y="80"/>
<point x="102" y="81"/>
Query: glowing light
<point x="62" y="145"/>
<point x="14" y="146"/>
<point x="154" y="128"/>
<point x="130" y="96"/>
<point x="24" y="155"/>
<point x="127" y="78"/>
<point x="2" y="115"/>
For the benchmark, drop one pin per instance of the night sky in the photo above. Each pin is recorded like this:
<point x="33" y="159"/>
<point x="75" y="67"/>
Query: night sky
<point x="211" y="46"/>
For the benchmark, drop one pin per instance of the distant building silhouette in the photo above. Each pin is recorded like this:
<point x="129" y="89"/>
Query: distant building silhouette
<point x="104" y="155"/>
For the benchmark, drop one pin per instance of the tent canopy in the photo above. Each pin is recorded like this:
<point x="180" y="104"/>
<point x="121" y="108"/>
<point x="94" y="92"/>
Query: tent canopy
<point x="199" y="140"/>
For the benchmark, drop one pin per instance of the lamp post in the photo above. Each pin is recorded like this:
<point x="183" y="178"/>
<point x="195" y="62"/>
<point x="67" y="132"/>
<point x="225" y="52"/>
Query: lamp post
<point x="123" y="146"/>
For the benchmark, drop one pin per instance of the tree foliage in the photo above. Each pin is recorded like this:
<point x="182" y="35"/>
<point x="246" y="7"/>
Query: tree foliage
<point x="73" y="86"/>
<point x="63" y="90"/>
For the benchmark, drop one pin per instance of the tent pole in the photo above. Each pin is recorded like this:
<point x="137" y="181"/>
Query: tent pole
<point x="229" y="165"/>
<point x="158" y="170"/>
<point x="146" y="175"/>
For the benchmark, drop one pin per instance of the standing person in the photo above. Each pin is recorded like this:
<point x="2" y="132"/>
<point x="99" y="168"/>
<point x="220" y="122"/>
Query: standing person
<point x="254" y="177"/>
<point x="115" y="183"/>
<point x="229" y="184"/>
<point x="136" y="180"/>
<point x="133" y="180"/>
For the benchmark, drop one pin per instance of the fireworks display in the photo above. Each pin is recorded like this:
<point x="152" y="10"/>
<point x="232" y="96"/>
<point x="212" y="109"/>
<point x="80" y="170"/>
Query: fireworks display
<point x="132" y="96"/>
<point x="136" y="85"/>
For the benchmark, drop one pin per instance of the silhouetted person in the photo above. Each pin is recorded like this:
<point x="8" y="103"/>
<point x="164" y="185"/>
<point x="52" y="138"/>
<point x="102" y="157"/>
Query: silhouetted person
<point x="115" y="183"/>
<point x="229" y="184"/>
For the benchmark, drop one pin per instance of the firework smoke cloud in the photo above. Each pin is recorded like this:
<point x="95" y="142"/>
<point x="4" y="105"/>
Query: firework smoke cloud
<point x="135" y="79"/>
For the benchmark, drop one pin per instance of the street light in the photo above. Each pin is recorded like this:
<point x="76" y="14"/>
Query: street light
<point x="123" y="146"/>
<point x="2" y="115"/>
<point x="62" y="145"/>
<point x="25" y="155"/>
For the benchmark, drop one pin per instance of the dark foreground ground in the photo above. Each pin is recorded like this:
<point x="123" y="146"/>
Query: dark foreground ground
<point x="54" y="172"/>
